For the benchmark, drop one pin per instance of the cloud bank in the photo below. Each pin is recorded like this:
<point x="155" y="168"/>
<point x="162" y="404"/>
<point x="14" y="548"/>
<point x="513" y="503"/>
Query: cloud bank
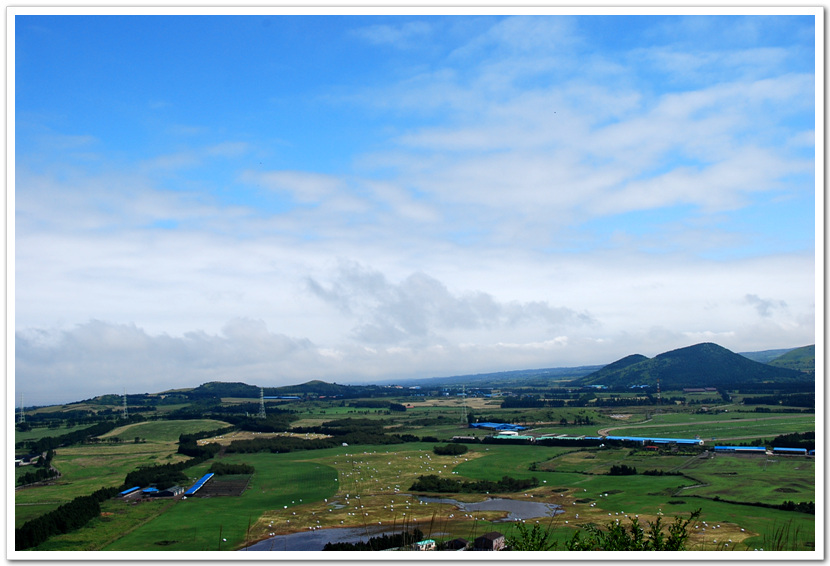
<point x="380" y="198"/>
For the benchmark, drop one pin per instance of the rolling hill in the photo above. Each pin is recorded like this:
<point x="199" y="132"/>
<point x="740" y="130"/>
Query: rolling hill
<point x="800" y="359"/>
<point x="702" y="365"/>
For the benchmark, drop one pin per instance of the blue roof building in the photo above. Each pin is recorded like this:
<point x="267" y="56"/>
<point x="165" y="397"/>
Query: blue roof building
<point x="801" y="451"/>
<point x="199" y="483"/>
<point x="644" y="439"/>
<point x="497" y="426"/>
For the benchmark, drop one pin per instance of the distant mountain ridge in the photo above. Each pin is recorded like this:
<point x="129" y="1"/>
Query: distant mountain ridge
<point x="502" y="378"/>
<point x="701" y="365"/>
<point x="801" y="359"/>
<point x="765" y="356"/>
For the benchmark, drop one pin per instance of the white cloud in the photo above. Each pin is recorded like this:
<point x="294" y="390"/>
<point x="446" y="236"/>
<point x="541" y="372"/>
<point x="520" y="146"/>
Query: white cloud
<point x="764" y="306"/>
<point x="194" y="157"/>
<point x="421" y="308"/>
<point x="407" y="35"/>
<point x="306" y="187"/>
<point x="99" y="357"/>
<point x="490" y="233"/>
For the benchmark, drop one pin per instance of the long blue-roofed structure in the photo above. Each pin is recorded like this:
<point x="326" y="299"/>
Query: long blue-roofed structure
<point x="644" y="439"/>
<point x="199" y="483"/>
<point x="497" y="426"/>
<point x="780" y="450"/>
<point x="750" y="449"/>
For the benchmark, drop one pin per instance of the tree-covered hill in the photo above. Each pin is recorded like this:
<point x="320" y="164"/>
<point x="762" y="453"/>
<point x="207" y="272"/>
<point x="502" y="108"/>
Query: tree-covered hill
<point x="702" y="365"/>
<point x="623" y="363"/>
<point x="218" y="389"/>
<point x="800" y="359"/>
<point x="765" y="356"/>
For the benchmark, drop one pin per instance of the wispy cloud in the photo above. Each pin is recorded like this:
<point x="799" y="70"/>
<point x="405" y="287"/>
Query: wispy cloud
<point x="304" y="186"/>
<point x="764" y="306"/>
<point x="404" y="36"/>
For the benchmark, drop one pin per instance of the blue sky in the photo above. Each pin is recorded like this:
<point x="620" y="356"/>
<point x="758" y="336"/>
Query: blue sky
<point x="274" y="199"/>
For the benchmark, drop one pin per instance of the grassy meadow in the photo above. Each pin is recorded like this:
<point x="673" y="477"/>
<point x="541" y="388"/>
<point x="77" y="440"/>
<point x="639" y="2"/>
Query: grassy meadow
<point x="363" y="485"/>
<point x="87" y="467"/>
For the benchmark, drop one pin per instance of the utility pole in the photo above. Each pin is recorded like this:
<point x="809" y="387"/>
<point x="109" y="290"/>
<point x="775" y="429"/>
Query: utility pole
<point x="464" y="405"/>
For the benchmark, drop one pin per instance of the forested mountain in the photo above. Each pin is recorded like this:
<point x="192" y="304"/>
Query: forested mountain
<point x="702" y="365"/>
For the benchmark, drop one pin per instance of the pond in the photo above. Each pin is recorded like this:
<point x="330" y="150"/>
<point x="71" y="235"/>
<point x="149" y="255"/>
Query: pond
<point x="516" y="509"/>
<point x="317" y="539"/>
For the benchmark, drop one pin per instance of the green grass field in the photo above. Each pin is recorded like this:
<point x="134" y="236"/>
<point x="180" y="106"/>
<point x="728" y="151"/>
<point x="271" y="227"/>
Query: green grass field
<point x="88" y="467"/>
<point x="720" y="427"/>
<point x="163" y="431"/>
<point x="772" y="479"/>
<point x="298" y="490"/>
<point x="41" y="432"/>
<point x="196" y="523"/>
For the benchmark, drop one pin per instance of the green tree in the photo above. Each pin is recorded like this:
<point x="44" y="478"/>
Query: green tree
<point x="530" y="539"/>
<point x="615" y="537"/>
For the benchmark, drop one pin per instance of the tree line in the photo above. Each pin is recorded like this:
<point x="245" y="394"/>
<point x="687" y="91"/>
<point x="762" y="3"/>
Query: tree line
<point x="75" y="437"/>
<point x="68" y="517"/>
<point x="437" y="484"/>
<point x="382" y="542"/>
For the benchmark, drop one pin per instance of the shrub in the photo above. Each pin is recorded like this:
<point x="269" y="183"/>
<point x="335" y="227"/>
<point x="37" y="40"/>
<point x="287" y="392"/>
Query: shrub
<point x="615" y="537"/>
<point x="450" y="449"/>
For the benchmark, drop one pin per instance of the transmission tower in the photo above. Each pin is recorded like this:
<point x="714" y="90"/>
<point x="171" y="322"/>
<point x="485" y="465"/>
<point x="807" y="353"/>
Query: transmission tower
<point x="659" y="398"/>
<point x="22" y="417"/>
<point x="125" y="402"/>
<point x="464" y="406"/>
<point x="261" y="414"/>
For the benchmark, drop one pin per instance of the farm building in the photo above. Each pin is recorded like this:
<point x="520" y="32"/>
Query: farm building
<point x="742" y="449"/>
<point x="427" y="544"/>
<point x="644" y="439"/>
<point x="490" y="541"/>
<point x="497" y="426"/>
<point x="790" y="451"/>
<point x="503" y="436"/>
<point x="149" y="491"/>
<point x="457" y="544"/>
<point x="563" y="439"/>
<point x="129" y="492"/>
<point x="196" y="486"/>
<point x="170" y="492"/>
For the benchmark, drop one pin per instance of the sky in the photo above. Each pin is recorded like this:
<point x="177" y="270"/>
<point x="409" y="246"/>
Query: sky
<point x="274" y="199"/>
